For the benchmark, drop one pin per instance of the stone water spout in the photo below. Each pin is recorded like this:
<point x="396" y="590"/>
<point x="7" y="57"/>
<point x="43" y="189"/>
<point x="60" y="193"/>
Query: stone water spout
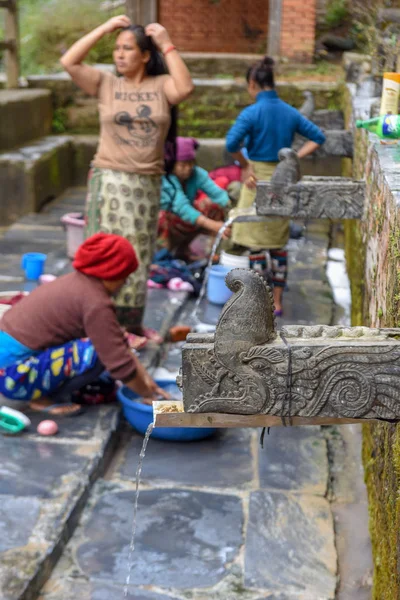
<point x="286" y="195"/>
<point x="246" y="368"/>
<point x="308" y="107"/>
<point x="287" y="172"/>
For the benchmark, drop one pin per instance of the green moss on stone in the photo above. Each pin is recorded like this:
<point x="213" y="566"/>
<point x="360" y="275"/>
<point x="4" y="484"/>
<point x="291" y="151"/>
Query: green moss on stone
<point x="54" y="171"/>
<point x="381" y="456"/>
<point x="355" y="261"/>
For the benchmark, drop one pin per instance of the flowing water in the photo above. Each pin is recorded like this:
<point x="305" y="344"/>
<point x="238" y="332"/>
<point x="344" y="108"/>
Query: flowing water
<point x="135" y="507"/>
<point x="217" y="241"/>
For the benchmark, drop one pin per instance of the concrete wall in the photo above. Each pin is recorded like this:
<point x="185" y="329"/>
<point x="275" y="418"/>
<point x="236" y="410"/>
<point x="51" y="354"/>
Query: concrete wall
<point x="25" y="116"/>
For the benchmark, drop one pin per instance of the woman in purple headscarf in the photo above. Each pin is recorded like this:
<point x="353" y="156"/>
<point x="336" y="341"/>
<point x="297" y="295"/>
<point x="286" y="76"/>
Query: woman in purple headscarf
<point x="191" y="202"/>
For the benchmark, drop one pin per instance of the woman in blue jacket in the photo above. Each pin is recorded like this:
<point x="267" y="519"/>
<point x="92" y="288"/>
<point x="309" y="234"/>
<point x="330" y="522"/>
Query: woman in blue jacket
<point x="266" y="127"/>
<point x="191" y="202"/>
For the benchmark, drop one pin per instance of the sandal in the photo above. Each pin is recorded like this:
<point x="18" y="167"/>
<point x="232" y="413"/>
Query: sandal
<point x="152" y="335"/>
<point x="136" y="342"/>
<point x="65" y="409"/>
<point x="278" y="313"/>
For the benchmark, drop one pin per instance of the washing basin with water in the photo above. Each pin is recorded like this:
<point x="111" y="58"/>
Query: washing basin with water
<point x="140" y="416"/>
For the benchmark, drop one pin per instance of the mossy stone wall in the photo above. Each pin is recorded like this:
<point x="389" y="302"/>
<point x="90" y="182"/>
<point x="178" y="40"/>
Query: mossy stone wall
<point x="208" y="113"/>
<point x="373" y="253"/>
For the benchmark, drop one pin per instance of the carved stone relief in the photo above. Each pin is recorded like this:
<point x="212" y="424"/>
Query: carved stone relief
<point x="247" y="368"/>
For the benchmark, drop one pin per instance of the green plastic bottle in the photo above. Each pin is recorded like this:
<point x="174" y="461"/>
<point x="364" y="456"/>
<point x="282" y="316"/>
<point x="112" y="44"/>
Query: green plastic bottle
<point x="386" y="126"/>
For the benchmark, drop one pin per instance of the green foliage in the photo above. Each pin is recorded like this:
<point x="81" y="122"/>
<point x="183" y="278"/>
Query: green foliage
<point x="49" y="27"/>
<point x="336" y="13"/>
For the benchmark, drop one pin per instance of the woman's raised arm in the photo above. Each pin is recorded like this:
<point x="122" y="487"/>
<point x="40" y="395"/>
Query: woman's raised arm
<point x="179" y="85"/>
<point x="86" y="77"/>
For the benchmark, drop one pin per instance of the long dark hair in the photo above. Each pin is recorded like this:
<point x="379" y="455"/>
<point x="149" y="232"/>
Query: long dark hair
<point x="262" y="72"/>
<point x="156" y="66"/>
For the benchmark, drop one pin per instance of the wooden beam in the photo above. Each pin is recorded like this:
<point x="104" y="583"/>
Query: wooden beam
<point x="142" y="12"/>
<point x="7" y="45"/>
<point x="221" y="420"/>
<point x="274" y="28"/>
<point x="5" y="3"/>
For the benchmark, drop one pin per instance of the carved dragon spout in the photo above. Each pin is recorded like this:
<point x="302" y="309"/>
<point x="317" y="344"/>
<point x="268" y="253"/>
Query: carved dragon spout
<point x="244" y="367"/>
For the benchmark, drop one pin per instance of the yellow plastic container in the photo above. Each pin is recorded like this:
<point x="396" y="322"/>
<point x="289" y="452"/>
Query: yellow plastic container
<point x="390" y="94"/>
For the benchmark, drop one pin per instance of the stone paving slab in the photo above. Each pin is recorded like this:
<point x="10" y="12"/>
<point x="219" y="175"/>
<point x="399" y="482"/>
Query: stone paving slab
<point x="184" y="539"/>
<point x="20" y="458"/>
<point x="294" y="459"/>
<point x="224" y="460"/>
<point x="10" y="264"/>
<point x="26" y="233"/>
<point x="93" y="424"/>
<point x="49" y="219"/>
<point x="9" y="246"/>
<point x="43" y="484"/>
<point x="290" y="545"/>
<point x="73" y="590"/>
<point x="162" y="306"/>
<point x="18" y="516"/>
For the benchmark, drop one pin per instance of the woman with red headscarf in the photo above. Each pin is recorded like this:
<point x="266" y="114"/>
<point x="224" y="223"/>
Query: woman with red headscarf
<point x="65" y="334"/>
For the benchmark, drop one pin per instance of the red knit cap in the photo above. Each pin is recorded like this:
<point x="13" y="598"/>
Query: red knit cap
<point x="106" y="256"/>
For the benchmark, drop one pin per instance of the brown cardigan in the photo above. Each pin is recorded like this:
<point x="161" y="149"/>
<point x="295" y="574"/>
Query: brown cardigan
<point x="71" y="307"/>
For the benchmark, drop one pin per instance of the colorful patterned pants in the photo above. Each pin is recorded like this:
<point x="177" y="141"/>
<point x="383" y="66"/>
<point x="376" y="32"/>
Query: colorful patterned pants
<point x="176" y="234"/>
<point x="52" y="373"/>
<point x="272" y="263"/>
<point x="126" y="204"/>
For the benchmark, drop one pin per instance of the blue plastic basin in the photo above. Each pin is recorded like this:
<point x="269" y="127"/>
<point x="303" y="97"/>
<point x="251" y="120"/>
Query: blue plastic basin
<point x="217" y="290"/>
<point x="140" y="416"/>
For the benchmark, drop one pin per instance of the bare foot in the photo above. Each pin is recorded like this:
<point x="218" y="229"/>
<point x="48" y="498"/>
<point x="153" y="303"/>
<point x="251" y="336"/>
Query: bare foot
<point x="43" y="405"/>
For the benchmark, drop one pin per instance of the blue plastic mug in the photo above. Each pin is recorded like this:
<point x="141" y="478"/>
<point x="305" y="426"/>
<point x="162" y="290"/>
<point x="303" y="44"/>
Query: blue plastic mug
<point x="33" y="264"/>
<point x="217" y="290"/>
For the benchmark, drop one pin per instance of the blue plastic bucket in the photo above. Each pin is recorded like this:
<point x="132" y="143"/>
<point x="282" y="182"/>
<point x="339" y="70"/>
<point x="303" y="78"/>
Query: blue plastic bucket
<point x="33" y="264"/>
<point x="140" y="416"/>
<point x="217" y="290"/>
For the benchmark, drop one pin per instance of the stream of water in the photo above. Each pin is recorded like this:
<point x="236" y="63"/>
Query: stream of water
<point x="135" y="507"/>
<point x="217" y="241"/>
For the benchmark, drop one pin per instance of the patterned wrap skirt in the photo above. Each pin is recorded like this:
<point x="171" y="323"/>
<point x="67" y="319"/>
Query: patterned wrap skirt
<point x="126" y="204"/>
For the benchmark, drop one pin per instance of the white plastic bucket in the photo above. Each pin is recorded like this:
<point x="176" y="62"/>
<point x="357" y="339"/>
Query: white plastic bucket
<point x="75" y="232"/>
<point x="234" y="261"/>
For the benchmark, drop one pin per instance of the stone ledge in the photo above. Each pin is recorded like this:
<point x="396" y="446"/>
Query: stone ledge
<point x="24" y="115"/>
<point x="32" y="175"/>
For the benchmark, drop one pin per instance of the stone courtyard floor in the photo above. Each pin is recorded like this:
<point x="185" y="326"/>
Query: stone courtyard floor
<point x="219" y="519"/>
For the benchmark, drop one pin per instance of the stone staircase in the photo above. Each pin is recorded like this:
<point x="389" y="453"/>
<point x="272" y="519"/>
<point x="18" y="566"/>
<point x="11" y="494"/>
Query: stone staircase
<point x="34" y="166"/>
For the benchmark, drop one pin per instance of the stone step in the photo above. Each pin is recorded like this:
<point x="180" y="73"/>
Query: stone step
<point x="33" y="174"/>
<point x="206" y="64"/>
<point x="24" y="115"/>
<point x="210" y="110"/>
